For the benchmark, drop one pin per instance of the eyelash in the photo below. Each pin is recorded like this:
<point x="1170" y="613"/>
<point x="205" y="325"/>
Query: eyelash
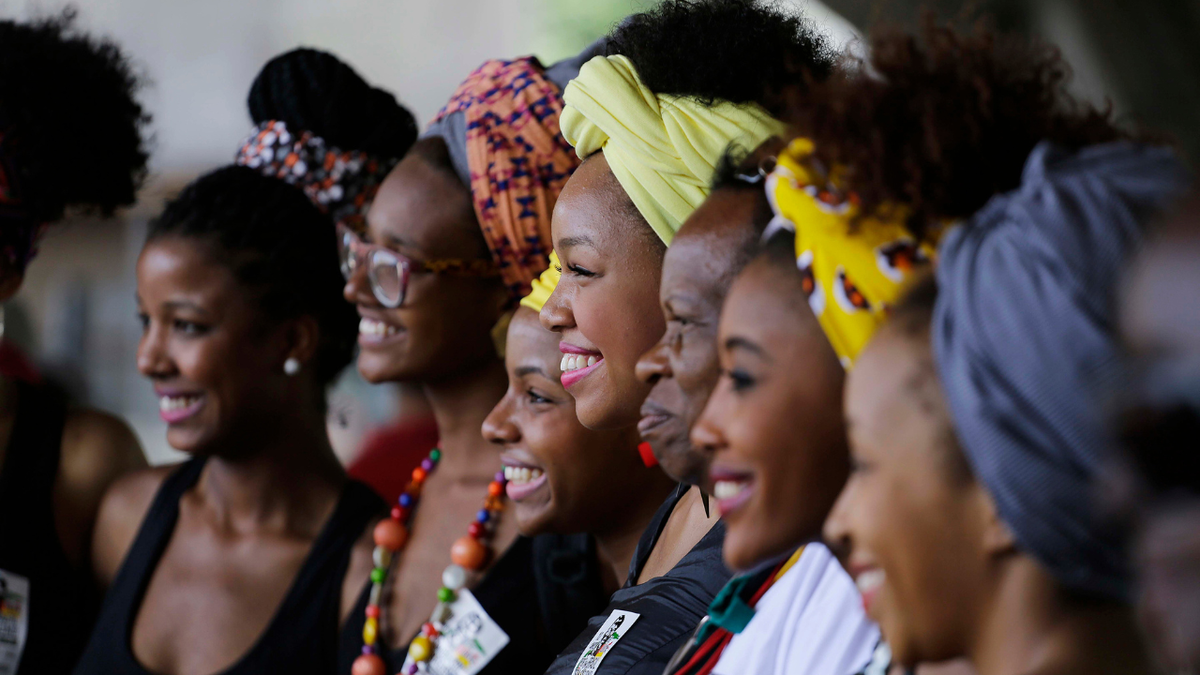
<point x="576" y="269"/>
<point x="537" y="398"/>
<point x="742" y="381"/>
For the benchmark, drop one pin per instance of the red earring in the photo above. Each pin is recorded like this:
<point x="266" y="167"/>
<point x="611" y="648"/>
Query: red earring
<point x="647" y="454"/>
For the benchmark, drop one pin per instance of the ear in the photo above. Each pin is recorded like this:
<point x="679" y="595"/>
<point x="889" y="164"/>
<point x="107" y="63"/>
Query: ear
<point x="303" y="334"/>
<point x="998" y="539"/>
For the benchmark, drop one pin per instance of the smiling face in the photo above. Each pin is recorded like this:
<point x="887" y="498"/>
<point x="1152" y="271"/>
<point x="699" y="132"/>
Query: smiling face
<point x="605" y="307"/>
<point x="215" y="361"/>
<point x="562" y="476"/>
<point x="682" y="367"/>
<point x="444" y="326"/>
<point x="774" y="419"/>
<point x="909" y="526"/>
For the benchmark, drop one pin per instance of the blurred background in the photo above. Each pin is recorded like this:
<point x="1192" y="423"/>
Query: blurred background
<point x="75" y="316"/>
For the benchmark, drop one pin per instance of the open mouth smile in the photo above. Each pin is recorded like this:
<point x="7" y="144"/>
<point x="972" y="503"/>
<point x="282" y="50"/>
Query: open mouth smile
<point x="577" y="363"/>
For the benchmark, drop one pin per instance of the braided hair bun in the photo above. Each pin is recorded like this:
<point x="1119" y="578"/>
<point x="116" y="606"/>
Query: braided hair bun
<point x="314" y="91"/>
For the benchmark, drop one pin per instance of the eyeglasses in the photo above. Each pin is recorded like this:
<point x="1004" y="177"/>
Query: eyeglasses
<point x="389" y="271"/>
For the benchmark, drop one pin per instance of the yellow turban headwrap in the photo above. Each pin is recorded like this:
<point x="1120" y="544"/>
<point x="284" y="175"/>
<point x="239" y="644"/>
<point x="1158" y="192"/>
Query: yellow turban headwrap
<point x="662" y="149"/>
<point x="543" y="286"/>
<point x="854" y="266"/>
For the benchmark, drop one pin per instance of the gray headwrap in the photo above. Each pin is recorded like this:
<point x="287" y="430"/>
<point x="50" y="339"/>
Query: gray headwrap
<point x="1024" y="339"/>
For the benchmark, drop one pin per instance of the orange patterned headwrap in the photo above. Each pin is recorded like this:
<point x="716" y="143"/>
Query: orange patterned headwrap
<point x="518" y="161"/>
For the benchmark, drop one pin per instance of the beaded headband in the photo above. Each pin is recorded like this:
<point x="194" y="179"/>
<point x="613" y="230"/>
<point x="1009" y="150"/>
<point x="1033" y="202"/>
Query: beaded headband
<point x="340" y="182"/>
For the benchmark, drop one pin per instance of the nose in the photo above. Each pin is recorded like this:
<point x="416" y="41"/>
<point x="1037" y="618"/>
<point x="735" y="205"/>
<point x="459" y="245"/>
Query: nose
<point x="654" y="364"/>
<point x="357" y="290"/>
<point x="153" y="359"/>
<point x="708" y="433"/>
<point x="498" y="426"/>
<point x="556" y="314"/>
<point x="836" y="531"/>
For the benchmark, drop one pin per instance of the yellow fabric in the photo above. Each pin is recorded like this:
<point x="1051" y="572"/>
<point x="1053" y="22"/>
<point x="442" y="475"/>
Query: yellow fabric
<point x="855" y="265"/>
<point x="788" y="565"/>
<point x="543" y="286"/>
<point x="662" y="149"/>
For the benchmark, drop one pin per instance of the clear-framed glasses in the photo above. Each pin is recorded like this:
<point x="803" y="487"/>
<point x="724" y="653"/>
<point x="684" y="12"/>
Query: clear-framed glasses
<point x="389" y="271"/>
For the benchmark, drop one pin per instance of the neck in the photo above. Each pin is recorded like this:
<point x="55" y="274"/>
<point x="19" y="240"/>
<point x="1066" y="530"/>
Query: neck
<point x="460" y="404"/>
<point x="617" y="542"/>
<point x="287" y="480"/>
<point x="1033" y="626"/>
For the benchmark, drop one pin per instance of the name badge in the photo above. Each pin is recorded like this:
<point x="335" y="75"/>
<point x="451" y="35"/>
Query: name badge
<point x="467" y="641"/>
<point x="14" y="620"/>
<point x="614" y="628"/>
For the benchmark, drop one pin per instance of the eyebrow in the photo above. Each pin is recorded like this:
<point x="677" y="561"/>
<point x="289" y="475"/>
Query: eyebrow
<point x="742" y="343"/>
<point x="581" y="240"/>
<point x="184" y="304"/>
<point x="530" y="370"/>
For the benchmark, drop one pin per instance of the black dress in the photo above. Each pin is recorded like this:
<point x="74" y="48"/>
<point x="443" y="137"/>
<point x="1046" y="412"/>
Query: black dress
<point x="301" y="637"/>
<point x="540" y="592"/>
<point x="668" y="607"/>
<point x="62" y="602"/>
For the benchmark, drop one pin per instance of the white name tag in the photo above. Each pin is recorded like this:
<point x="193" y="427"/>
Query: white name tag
<point x="615" y="627"/>
<point x="466" y="642"/>
<point x="14" y="620"/>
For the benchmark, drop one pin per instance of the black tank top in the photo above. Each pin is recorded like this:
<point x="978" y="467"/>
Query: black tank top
<point x="62" y="601"/>
<point x="302" y="637"/>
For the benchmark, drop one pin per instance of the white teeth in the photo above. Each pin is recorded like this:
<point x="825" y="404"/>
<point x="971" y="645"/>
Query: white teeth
<point x="562" y="365"/>
<point x="725" y="489"/>
<point x="870" y="581"/>
<point x="172" y="403"/>
<point x="577" y="361"/>
<point x="375" y="328"/>
<point x="521" y="474"/>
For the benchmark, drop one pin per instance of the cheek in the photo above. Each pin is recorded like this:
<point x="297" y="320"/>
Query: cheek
<point x="696" y="370"/>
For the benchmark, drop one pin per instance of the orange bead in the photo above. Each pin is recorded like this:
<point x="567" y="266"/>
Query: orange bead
<point x="469" y="553"/>
<point x="493" y="504"/>
<point x="418" y="475"/>
<point x="390" y="534"/>
<point x="495" y="489"/>
<point x="368" y="664"/>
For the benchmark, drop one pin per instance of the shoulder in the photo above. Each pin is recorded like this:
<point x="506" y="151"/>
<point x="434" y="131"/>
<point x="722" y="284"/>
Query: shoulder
<point x="122" y="510"/>
<point x="96" y="449"/>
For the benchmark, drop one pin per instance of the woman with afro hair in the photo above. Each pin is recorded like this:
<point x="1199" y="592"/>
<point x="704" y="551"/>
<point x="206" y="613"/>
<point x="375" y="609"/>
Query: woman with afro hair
<point x="70" y="139"/>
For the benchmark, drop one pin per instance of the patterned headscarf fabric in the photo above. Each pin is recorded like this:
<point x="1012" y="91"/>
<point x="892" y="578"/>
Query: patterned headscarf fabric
<point x="518" y="161"/>
<point x="19" y="230"/>
<point x="1025" y="346"/>
<point x="662" y="149"/>
<point x="854" y="265"/>
<point x="340" y="182"/>
<point x="544" y="285"/>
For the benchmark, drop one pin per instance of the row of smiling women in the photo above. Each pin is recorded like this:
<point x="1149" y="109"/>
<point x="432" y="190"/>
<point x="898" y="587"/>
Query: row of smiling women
<point x="746" y="356"/>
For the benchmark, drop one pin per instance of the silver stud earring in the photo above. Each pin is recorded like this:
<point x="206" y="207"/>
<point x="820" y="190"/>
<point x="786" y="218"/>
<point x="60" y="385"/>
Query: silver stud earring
<point x="291" y="366"/>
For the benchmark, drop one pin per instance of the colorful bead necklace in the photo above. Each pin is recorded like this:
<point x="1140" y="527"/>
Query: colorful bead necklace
<point x="472" y="552"/>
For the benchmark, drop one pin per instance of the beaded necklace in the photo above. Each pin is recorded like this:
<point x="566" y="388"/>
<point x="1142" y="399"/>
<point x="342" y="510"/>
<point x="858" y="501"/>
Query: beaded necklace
<point x="471" y="552"/>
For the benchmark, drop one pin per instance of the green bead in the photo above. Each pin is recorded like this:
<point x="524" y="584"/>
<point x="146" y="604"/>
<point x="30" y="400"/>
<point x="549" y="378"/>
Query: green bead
<point x="445" y="594"/>
<point x="378" y="575"/>
<point x="435" y="454"/>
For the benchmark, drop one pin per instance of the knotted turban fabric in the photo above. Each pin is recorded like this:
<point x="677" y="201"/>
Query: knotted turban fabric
<point x="662" y="149"/>
<point x="517" y="160"/>
<point x="1023" y="337"/>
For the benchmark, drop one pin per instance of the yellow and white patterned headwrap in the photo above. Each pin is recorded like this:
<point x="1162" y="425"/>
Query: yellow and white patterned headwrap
<point x="855" y="266"/>
<point x="662" y="149"/>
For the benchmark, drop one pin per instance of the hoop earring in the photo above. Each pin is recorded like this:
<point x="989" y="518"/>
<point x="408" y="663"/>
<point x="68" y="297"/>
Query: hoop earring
<point x="291" y="366"/>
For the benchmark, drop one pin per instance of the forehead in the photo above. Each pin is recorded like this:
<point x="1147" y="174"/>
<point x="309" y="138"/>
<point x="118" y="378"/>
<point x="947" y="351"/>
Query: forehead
<point x="765" y="307"/>
<point x="183" y="264"/>
<point x="529" y="343"/>
<point x="423" y="209"/>
<point x="593" y="210"/>
<point x="706" y="250"/>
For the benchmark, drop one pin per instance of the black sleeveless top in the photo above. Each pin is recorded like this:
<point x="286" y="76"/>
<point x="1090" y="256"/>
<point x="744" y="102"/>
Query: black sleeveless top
<point x="62" y="601"/>
<point x="541" y="593"/>
<point x="300" y="638"/>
